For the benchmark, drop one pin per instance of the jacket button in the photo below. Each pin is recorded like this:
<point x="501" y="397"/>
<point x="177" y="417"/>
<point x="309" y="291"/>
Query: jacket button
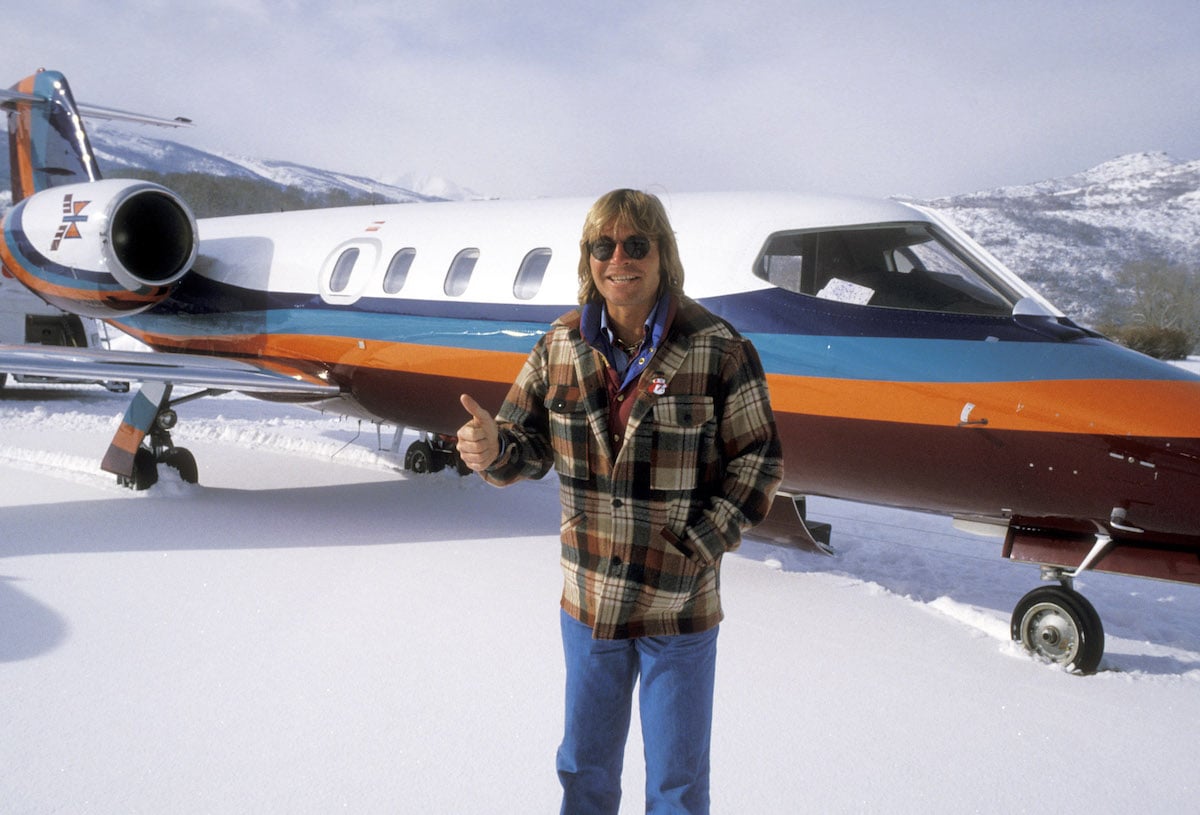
<point x="617" y="503"/>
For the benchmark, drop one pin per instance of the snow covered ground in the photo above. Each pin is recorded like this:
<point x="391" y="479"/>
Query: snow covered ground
<point x="310" y="631"/>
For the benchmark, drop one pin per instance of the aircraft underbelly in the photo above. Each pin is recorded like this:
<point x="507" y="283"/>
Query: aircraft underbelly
<point x="974" y="470"/>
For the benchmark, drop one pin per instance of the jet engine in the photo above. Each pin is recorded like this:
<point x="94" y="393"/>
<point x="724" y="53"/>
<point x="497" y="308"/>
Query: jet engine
<point x="101" y="249"/>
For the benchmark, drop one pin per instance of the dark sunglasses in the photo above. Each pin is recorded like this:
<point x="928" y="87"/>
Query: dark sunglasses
<point x="636" y="247"/>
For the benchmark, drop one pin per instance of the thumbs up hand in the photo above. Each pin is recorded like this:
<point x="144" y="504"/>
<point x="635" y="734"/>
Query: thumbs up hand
<point x="478" y="439"/>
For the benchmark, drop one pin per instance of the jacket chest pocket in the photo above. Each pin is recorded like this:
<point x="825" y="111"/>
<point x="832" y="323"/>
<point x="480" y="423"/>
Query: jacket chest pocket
<point x="568" y="432"/>
<point x="684" y="427"/>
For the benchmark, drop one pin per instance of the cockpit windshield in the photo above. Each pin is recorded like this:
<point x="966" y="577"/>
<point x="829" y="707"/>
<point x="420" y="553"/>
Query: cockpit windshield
<point x="908" y="266"/>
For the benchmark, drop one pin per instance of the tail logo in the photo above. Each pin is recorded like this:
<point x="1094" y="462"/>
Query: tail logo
<point x="72" y="218"/>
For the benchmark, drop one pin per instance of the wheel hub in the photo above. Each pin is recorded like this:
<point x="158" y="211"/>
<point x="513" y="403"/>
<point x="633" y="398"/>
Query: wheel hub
<point x="1052" y="633"/>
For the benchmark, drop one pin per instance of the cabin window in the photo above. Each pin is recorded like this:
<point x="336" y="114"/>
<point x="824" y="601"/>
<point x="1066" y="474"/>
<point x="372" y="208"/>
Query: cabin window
<point x="460" y="272"/>
<point x="397" y="270"/>
<point x="894" y="266"/>
<point x="529" y="277"/>
<point x="347" y="269"/>
<point x="339" y="278"/>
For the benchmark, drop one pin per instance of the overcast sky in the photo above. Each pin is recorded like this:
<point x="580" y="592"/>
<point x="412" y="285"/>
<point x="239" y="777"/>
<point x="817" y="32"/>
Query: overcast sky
<point x="923" y="98"/>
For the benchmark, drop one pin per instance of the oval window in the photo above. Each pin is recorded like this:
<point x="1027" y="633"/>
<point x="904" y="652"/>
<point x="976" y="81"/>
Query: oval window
<point x="397" y="270"/>
<point x="529" y="276"/>
<point x="460" y="271"/>
<point x="339" y="278"/>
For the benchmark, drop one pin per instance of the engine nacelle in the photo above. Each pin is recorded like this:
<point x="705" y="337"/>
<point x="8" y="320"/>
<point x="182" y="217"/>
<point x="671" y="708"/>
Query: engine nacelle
<point x="101" y="249"/>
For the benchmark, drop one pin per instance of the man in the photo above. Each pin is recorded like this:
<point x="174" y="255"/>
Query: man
<point x="655" y="414"/>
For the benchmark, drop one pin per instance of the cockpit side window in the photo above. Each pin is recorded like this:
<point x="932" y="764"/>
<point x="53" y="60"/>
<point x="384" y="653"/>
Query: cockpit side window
<point x="894" y="266"/>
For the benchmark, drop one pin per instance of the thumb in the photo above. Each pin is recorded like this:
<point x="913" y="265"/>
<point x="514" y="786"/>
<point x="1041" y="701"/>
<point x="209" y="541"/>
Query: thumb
<point x="477" y="413"/>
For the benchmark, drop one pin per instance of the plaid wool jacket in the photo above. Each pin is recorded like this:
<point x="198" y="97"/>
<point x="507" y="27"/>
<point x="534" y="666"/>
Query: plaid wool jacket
<point x="643" y="532"/>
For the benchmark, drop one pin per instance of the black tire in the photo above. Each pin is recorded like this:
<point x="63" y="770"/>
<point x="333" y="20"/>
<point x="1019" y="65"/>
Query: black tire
<point x="145" y="471"/>
<point x="183" y="462"/>
<point x="421" y="459"/>
<point x="1059" y="624"/>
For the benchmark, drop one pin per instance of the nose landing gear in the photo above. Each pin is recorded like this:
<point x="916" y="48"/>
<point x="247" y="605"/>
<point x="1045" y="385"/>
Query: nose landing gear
<point x="1059" y="624"/>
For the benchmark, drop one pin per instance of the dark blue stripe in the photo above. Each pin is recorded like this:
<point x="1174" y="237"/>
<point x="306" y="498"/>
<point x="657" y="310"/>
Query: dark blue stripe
<point x="769" y="311"/>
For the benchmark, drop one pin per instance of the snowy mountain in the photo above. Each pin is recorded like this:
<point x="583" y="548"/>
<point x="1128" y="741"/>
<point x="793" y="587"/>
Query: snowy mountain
<point x="118" y="149"/>
<point x="1069" y="236"/>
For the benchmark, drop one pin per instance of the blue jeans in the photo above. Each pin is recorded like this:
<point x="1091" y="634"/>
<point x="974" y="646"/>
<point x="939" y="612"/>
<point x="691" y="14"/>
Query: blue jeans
<point x="675" y="702"/>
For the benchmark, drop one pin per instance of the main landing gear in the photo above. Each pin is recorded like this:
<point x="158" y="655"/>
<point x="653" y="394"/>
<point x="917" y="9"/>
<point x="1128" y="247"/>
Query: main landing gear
<point x="158" y="448"/>
<point x="432" y="453"/>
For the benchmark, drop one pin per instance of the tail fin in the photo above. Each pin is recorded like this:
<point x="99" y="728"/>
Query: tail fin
<point x="47" y="144"/>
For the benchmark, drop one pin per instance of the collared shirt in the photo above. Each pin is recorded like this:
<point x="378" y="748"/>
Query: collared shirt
<point x="599" y="334"/>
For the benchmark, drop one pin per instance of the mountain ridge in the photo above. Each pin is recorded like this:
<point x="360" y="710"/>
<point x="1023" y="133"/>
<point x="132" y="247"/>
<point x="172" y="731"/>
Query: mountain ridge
<point x="1071" y="236"/>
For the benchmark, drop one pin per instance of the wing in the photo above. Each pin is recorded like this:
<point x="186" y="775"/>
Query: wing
<point x="176" y="369"/>
<point x="158" y="373"/>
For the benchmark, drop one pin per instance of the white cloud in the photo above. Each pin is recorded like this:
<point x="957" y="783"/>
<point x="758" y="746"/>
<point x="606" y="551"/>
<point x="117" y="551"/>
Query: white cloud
<point x="539" y="99"/>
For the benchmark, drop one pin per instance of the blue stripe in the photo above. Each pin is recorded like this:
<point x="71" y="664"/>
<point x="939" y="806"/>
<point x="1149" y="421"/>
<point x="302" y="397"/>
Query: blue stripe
<point x="889" y="359"/>
<point x="478" y="335"/>
<point x="795" y="335"/>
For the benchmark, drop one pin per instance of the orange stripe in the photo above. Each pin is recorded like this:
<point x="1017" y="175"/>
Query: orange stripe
<point x="24" y="164"/>
<point x="1158" y="408"/>
<point x="1120" y="407"/>
<point x="434" y="360"/>
<point x="128" y="438"/>
<point x="458" y="363"/>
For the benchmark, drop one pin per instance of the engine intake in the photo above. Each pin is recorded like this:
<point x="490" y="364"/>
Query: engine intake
<point x="153" y="237"/>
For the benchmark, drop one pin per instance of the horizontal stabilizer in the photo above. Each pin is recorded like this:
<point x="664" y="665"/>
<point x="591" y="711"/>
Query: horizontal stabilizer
<point x="8" y="97"/>
<point x="98" y="112"/>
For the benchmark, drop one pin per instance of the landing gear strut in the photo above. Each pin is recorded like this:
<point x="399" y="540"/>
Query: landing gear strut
<point x="158" y="448"/>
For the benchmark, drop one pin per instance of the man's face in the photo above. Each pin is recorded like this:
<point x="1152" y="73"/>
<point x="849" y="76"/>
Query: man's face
<point x="625" y="281"/>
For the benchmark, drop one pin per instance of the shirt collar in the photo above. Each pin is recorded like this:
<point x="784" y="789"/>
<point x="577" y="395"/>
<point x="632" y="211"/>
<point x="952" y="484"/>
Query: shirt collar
<point x="596" y="330"/>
